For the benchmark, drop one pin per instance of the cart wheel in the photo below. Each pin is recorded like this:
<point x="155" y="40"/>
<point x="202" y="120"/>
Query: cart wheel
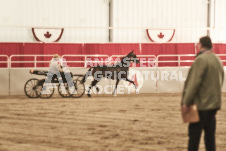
<point x="78" y="78"/>
<point x="48" y="93"/>
<point x="62" y="93"/>
<point x="79" y="89"/>
<point x="30" y="88"/>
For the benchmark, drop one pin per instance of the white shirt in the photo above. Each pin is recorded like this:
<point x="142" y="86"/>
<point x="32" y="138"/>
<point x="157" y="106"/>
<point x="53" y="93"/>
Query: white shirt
<point x="54" y="65"/>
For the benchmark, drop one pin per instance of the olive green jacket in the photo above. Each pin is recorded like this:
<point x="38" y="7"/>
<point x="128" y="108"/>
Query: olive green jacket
<point x="204" y="81"/>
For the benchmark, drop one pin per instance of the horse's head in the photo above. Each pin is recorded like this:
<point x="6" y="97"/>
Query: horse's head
<point x="133" y="57"/>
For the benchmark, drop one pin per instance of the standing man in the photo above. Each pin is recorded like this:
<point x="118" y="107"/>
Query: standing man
<point x="203" y="88"/>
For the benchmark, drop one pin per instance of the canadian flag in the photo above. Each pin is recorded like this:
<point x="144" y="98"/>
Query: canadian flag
<point x="160" y="36"/>
<point x="47" y="34"/>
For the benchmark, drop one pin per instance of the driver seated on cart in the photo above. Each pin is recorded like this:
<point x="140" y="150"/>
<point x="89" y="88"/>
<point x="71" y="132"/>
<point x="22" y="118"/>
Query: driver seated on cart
<point x="58" y="70"/>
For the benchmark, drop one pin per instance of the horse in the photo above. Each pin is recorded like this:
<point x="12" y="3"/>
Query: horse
<point x="117" y="71"/>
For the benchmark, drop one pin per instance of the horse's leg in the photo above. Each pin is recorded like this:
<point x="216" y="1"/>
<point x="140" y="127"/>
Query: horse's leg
<point x="137" y="92"/>
<point x="97" y="89"/>
<point x="131" y="82"/>
<point x="116" y="86"/>
<point x="94" y="82"/>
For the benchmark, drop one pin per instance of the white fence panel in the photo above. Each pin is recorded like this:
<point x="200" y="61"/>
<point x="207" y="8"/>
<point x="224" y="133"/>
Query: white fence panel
<point x="4" y="81"/>
<point x="173" y="84"/>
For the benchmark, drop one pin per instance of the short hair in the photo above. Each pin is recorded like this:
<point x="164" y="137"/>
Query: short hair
<point x="56" y="56"/>
<point x="206" y="42"/>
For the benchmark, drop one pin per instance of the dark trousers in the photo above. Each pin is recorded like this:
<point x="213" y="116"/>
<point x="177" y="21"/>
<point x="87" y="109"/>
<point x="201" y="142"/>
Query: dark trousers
<point x="208" y="124"/>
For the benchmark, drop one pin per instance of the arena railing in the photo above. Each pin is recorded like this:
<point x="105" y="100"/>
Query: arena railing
<point x="34" y="62"/>
<point x="86" y="62"/>
<point x="151" y="61"/>
<point x="6" y="62"/>
<point x="221" y="56"/>
<point x="109" y="59"/>
<point x="178" y="60"/>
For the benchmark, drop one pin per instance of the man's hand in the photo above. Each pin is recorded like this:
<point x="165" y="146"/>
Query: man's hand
<point x="185" y="109"/>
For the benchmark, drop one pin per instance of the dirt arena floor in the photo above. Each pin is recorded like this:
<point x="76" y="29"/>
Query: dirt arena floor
<point x="126" y="122"/>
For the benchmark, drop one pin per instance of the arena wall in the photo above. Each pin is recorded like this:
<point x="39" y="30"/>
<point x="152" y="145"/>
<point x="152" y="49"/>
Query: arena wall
<point x="70" y="13"/>
<point x="158" y="14"/>
<point x="47" y="50"/>
<point x="18" y="78"/>
<point x="4" y="81"/>
<point x="89" y="20"/>
<point x="13" y="80"/>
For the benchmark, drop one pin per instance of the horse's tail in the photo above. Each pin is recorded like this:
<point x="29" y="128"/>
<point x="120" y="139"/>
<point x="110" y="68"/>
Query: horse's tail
<point x="89" y="73"/>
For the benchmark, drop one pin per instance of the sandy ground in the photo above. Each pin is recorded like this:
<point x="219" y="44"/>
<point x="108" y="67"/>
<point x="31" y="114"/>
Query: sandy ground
<point x="126" y="122"/>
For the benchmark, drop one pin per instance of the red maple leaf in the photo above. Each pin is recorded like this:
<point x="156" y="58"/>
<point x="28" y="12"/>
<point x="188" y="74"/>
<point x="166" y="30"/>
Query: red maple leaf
<point x="134" y="79"/>
<point x="160" y="35"/>
<point x="47" y="35"/>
